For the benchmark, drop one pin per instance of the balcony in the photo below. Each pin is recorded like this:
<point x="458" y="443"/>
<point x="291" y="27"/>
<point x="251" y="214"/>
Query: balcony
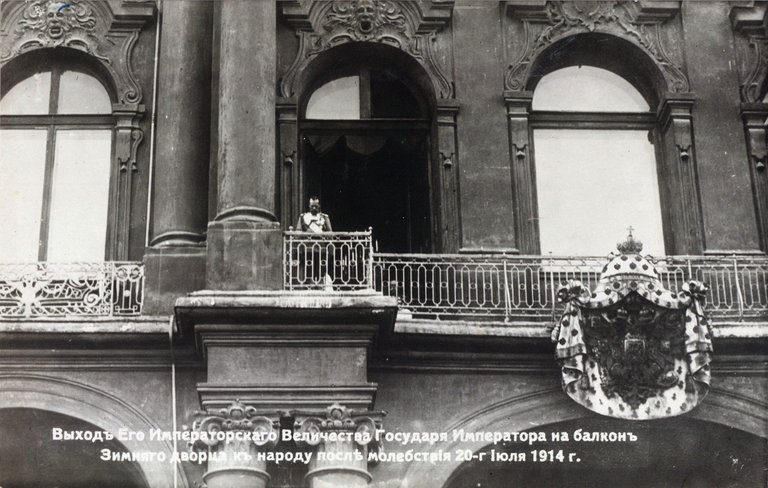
<point x="438" y="287"/>
<point x="108" y="289"/>
<point x="499" y="287"/>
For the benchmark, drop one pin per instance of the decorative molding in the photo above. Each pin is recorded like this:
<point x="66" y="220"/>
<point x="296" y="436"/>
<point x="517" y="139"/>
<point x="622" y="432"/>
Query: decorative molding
<point x="336" y="417"/>
<point x="447" y="160"/>
<point x="106" y="31"/>
<point x="410" y="26"/>
<point x="637" y="22"/>
<point x="751" y="23"/>
<point x="236" y="417"/>
<point x="88" y="26"/>
<point x="754" y="116"/>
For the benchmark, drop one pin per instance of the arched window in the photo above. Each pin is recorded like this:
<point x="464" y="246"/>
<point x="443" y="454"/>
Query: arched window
<point x="366" y="153"/>
<point x="596" y="172"/>
<point x="56" y="132"/>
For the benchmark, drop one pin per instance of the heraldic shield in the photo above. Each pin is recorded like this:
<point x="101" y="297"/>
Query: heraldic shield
<point x="631" y="349"/>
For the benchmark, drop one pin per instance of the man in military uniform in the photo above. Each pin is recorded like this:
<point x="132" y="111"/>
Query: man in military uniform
<point x="314" y="220"/>
<point x="319" y="256"/>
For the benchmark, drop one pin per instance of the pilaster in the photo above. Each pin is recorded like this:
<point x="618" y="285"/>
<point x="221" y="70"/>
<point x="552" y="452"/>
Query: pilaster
<point x="684" y="227"/>
<point x="521" y="166"/>
<point x="755" y="116"/>
<point x="448" y="176"/>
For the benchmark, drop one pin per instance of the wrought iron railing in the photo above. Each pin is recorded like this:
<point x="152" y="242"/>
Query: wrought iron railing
<point x="327" y="261"/>
<point x="71" y="289"/>
<point x="509" y="287"/>
<point x="500" y="286"/>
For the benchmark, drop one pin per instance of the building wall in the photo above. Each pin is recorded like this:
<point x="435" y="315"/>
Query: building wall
<point x="481" y="381"/>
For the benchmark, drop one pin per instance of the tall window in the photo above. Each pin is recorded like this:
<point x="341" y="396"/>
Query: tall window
<point x="366" y="153"/>
<point x="55" y="151"/>
<point x="596" y="171"/>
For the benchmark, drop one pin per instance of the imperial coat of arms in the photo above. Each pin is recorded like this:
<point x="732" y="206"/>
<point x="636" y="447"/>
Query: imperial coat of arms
<point x="631" y="348"/>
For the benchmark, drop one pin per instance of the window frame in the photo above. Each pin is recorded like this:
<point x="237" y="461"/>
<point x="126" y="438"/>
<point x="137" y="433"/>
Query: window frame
<point x="595" y="120"/>
<point x="52" y="122"/>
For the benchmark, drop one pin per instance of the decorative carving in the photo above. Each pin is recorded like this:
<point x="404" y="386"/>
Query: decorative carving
<point x="519" y="151"/>
<point x="289" y="158"/>
<point x="564" y="19"/>
<point x="402" y="25"/>
<point x="447" y="160"/>
<point x="754" y="80"/>
<point x="213" y="427"/>
<point x="88" y="26"/>
<point x="632" y="349"/>
<point x="750" y="22"/>
<point x="58" y="22"/>
<point x="310" y="425"/>
<point x="365" y="20"/>
<point x="684" y="152"/>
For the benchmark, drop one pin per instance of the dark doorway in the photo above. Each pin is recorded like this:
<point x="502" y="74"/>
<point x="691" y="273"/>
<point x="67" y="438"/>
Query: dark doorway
<point x="366" y="135"/>
<point x="677" y="452"/>
<point x="377" y="179"/>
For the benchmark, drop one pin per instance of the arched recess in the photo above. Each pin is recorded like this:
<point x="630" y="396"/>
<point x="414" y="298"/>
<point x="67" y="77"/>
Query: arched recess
<point x="527" y="412"/>
<point x="64" y="464"/>
<point x="435" y="159"/>
<point x="629" y="40"/>
<point x="107" y="412"/>
<point x="101" y="35"/>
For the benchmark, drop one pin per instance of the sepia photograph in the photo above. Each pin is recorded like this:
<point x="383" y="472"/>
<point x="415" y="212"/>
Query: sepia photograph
<point x="383" y="243"/>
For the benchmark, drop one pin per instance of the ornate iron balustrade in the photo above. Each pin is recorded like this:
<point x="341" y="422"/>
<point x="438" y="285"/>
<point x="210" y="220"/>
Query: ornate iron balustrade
<point x="71" y="289"/>
<point x="327" y="261"/>
<point x="508" y="287"/>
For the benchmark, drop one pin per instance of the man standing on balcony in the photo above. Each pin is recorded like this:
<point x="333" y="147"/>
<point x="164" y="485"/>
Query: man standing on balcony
<point x="319" y="256"/>
<point x="314" y="220"/>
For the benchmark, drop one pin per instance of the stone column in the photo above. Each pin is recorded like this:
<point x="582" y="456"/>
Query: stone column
<point x="244" y="240"/>
<point x="521" y="166"/>
<point x="341" y="439"/>
<point x="231" y="439"/>
<point x="175" y="262"/>
<point x="179" y="208"/>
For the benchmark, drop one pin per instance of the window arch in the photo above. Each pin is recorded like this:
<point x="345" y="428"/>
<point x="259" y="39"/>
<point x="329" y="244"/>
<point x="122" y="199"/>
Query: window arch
<point x="56" y="144"/>
<point x="668" y="122"/>
<point x="596" y="170"/>
<point x="366" y="153"/>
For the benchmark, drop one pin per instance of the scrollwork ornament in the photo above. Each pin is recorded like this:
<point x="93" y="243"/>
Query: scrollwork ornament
<point x="564" y="19"/>
<point x="84" y="25"/>
<point x="310" y="426"/>
<point x="237" y="421"/>
<point x="396" y="24"/>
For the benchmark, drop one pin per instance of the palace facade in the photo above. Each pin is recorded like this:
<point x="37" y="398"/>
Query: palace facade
<point x="162" y="324"/>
